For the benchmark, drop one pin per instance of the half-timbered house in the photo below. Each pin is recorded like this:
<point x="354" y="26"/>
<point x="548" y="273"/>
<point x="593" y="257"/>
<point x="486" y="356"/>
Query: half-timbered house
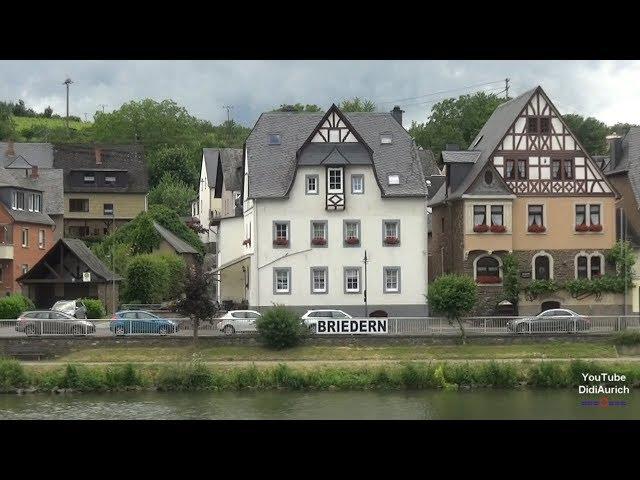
<point x="525" y="185"/>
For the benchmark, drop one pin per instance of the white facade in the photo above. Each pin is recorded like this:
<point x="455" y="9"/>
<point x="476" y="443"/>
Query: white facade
<point x="371" y="210"/>
<point x="206" y="203"/>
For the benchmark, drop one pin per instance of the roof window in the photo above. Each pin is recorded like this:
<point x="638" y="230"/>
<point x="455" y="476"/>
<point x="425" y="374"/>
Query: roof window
<point x="273" y="139"/>
<point x="394" y="179"/>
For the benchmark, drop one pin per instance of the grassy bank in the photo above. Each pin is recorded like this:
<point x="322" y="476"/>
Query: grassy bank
<point x="351" y="352"/>
<point x="196" y="375"/>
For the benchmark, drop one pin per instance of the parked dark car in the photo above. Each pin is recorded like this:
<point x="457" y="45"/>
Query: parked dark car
<point x="141" y="321"/>
<point x="550" y="321"/>
<point x="51" y="322"/>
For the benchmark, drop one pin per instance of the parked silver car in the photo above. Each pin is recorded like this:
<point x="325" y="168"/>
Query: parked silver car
<point x="238" y="321"/>
<point x="550" y="321"/>
<point x="310" y="318"/>
<point x="49" y="322"/>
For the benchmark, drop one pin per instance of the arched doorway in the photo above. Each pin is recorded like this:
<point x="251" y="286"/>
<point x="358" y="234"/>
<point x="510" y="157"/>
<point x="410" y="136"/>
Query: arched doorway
<point x="549" y="305"/>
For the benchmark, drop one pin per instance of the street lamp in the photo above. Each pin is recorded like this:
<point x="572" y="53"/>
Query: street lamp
<point x="426" y="219"/>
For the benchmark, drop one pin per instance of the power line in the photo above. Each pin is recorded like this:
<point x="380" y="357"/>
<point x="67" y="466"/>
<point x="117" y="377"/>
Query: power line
<point x="443" y="91"/>
<point x="491" y="90"/>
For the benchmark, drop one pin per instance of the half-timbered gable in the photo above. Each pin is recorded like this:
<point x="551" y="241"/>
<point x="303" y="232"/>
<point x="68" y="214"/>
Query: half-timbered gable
<point x="538" y="155"/>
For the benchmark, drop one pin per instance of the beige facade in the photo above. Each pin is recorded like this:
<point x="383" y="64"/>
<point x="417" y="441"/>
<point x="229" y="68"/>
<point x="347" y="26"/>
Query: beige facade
<point x="125" y="205"/>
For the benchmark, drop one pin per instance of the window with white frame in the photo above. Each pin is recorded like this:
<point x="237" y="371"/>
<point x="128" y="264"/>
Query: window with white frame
<point x="390" y="232"/>
<point x="357" y="184"/>
<point x="587" y="218"/>
<point x="319" y="279"/>
<point x="542" y="266"/>
<point x="282" y="280"/>
<point x="17" y="200"/>
<point x="589" y="265"/>
<point x="335" y="180"/>
<point x="352" y="280"/>
<point x="352" y="232"/>
<point x="311" y="184"/>
<point x="582" y="266"/>
<point x="386" y="138"/>
<point x="281" y="234"/>
<point x="37" y="202"/>
<point x="319" y="233"/>
<point x="41" y="238"/>
<point x="392" y="279"/>
<point x="25" y="237"/>
<point x="25" y="268"/>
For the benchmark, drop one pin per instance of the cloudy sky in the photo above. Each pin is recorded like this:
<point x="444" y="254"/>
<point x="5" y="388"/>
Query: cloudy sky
<point x="607" y="90"/>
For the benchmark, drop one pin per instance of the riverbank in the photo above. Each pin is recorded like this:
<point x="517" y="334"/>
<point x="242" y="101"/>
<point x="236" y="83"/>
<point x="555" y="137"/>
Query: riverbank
<point x="196" y="376"/>
<point x="256" y="353"/>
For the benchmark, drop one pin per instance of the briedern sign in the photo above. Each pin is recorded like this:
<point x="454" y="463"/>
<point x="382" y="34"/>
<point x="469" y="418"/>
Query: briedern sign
<point x="352" y="326"/>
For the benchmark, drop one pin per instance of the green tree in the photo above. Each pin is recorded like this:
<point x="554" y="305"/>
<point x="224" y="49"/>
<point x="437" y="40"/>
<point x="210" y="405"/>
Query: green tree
<point x="47" y="112"/>
<point x="455" y="120"/>
<point x="173" y="193"/>
<point x="7" y="124"/>
<point x="280" y="328"/>
<point x="147" y="279"/>
<point x="590" y="131"/>
<point x="298" y="107"/>
<point x="623" y="257"/>
<point x="510" y="278"/>
<point x="197" y="303"/>
<point x="358" y="105"/>
<point x="179" y="160"/>
<point x="621" y="128"/>
<point x="453" y="296"/>
<point x="177" y="273"/>
<point x="143" y="236"/>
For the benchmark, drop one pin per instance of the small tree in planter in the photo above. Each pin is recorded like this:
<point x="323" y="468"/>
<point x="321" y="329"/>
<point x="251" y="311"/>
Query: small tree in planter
<point x="453" y="295"/>
<point x="196" y="304"/>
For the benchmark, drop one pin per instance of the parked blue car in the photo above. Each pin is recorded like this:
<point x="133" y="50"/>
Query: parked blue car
<point x="140" y="321"/>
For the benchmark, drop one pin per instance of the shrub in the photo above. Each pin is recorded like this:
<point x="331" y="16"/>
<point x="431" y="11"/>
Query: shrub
<point x="13" y="305"/>
<point x="177" y="269"/>
<point x="12" y="375"/>
<point x="147" y="278"/>
<point x="453" y="295"/>
<point x="547" y="374"/>
<point x="95" y="308"/>
<point x="122" y="376"/>
<point x="280" y="328"/>
<point x="497" y="375"/>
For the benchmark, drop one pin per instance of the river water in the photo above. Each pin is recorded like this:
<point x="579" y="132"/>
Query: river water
<point x="420" y="405"/>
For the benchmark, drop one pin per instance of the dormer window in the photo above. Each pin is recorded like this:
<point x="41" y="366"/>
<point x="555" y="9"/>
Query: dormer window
<point x="89" y="178"/>
<point x="386" y="138"/>
<point x="274" y="139"/>
<point x="17" y="201"/>
<point x="110" y="180"/>
<point x="394" y="179"/>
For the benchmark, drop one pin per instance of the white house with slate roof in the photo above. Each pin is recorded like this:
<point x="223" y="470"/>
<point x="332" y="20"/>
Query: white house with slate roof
<point x="320" y="190"/>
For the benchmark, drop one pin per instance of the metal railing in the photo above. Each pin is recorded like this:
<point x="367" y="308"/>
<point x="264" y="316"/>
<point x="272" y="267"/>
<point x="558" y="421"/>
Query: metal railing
<point x="412" y="326"/>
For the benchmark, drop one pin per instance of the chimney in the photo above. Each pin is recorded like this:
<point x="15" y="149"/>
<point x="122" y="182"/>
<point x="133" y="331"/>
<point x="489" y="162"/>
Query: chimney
<point x="615" y="149"/>
<point x="10" y="150"/>
<point x="397" y="114"/>
<point x="98" y="156"/>
<point x="34" y="171"/>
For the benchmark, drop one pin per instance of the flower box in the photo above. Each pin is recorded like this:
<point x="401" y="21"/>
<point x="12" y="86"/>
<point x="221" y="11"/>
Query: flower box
<point x="595" y="227"/>
<point x="352" y="240"/>
<point x="536" y="228"/>
<point x="281" y="242"/>
<point x="498" y="228"/>
<point x="318" y="241"/>
<point x="481" y="228"/>
<point x="247" y="242"/>
<point x="488" y="279"/>
<point x="391" y="240"/>
<point x="583" y="227"/>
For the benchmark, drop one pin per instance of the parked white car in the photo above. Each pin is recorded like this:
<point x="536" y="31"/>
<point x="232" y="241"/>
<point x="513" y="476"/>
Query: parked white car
<point x="310" y="319"/>
<point x="238" y="321"/>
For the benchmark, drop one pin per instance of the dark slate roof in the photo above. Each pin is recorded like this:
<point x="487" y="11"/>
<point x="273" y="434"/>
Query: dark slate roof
<point x="114" y="157"/>
<point x="232" y="163"/>
<point x="179" y="245"/>
<point x="7" y="179"/>
<point x="486" y="142"/>
<point x="629" y="162"/>
<point x="429" y="164"/>
<point x="25" y="216"/>
<point x="345" y="153"/>
<point x="49" y="182"/>
<point x="83" y="253"/>
<point x="211" y="164"/>
<point x="272" y="167"/>
<point x="460" y="156"/>
<point x="40" y="154"/>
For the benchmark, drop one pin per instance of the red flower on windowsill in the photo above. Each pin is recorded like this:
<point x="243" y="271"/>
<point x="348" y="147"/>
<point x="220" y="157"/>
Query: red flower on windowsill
<point x="352" y="240"/>
<point x="391" y="240"/>
<point x="247" y="242"/>
<point x="481" y="228"/>
<point x="583" y="227"/>
<point x="498" y="228"/>
<point x="487" y="279"/>
<point x="281" y="242"/>
<point x="536" y="228"/>
<point x="318" y="241"/>
<point x="596" y="227"/>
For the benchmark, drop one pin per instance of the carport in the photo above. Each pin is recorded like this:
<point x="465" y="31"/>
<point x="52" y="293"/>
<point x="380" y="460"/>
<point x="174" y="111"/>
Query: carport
<point x="68" y="271"/>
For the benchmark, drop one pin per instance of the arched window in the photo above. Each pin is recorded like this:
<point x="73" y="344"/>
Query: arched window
<point x="596" y="266"/>
<point x="487" y="269"/>
<point x="589" y="265"/>
<point x="582" y="262"/>
<point x="542" y="266"/>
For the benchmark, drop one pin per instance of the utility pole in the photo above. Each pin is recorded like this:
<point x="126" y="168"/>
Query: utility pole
<point x="67" y="82"/>
<point x="102" y="105"/>
<point x="506" y="88"/>
<point x="366" y="306"/>
<point x="228" y="109"/>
